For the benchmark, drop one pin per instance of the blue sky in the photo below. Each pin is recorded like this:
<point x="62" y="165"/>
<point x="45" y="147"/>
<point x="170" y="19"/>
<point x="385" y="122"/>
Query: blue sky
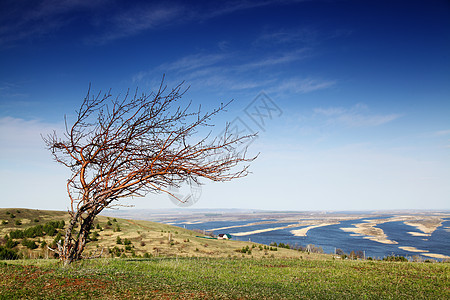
<point x="361" y="90"/>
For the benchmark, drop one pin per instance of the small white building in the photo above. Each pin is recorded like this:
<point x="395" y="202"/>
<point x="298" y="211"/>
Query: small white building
<point x="224" y="236"/>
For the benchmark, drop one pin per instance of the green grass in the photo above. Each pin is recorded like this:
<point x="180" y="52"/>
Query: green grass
<point x="220" y="278"/>
<point x="184" y="266"/>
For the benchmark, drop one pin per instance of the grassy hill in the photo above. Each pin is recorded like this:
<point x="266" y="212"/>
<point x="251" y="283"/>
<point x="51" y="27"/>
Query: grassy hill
<point x="132" y="238"/>
<point x="181" y="265"/>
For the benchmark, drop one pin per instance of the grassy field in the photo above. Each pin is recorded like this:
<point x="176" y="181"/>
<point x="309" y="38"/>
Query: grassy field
<point x="221" y="278"/>
<point x="180" y="264"/>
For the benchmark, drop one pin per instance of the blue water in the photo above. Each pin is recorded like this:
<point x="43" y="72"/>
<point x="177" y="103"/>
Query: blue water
<point x="331" y="237"/>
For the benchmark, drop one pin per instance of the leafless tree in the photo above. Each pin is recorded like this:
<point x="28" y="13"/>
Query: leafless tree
<point x="134" y="145"/>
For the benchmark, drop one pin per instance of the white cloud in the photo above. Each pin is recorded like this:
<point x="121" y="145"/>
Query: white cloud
<point x="303" y="85"/>
<point x="442" y="132"/>
<point x="305" y="35"/>
<point x="140" y="18"/>
<point x="28" y="175"/>
<point x="356" y="116"/>
<point x="331" y="111"/>
<point x="21" y="140"/>
<point x="282" y="58"/>
<point x="194" y="61"/>
<point x="31" y="19"/>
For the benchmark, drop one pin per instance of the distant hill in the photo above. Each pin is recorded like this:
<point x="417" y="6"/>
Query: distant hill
<point x="133" y="238"/>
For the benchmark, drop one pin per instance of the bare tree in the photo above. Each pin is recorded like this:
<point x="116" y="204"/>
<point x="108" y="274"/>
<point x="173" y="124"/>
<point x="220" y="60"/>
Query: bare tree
<point x="132" y="146"/>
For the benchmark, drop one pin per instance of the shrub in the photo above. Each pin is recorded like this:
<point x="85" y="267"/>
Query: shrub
<point x="244" y="250"/>
<point x="9" y="254"/>
<point x="339" y="251"/>
<point x="34" y="231"/>
<point x="395" y="258"/>
<point x="94" y="236"/>
<point x="282" y="245"/>
<point x="119" y="240"/>
<point x="16" y="234"/>
<point x="10" y="243"/>
<point x="126" y="242"/>
<point x="4" y="222"/>
<point x="29" y="244"/>
<point x="57" y="238"/>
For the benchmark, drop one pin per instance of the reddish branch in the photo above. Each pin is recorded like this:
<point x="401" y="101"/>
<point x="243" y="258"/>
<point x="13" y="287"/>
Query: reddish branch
<point x="132" y="146"/>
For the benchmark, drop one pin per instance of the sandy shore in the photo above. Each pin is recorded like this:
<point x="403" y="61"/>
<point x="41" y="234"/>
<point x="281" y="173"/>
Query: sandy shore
<point x="304" y="231"/>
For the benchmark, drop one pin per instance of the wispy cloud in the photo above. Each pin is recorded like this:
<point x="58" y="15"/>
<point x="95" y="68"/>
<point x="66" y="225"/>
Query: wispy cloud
<point x="273" y="60"/>
<point x="10" y="91"/>
<point x="442" y="132"/>
<point x="195" y="61"/>
<point x="21" y="20"/>
<point x="228" y="7"/>
<point x="305" y="35"/>
<point x="356" y="116"/>
<point x="18" y="136"/>
<point x="304" y="85"/>
<point x="141" y="18"/>
<point x="236" y="71"/>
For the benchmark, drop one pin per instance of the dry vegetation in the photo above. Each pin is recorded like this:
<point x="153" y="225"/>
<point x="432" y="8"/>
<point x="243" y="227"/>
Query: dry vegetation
<point x="131" y="238"/>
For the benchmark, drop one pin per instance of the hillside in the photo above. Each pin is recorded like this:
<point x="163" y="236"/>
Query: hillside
<point x="132" y="238"/>
<point x="165" y="262"/>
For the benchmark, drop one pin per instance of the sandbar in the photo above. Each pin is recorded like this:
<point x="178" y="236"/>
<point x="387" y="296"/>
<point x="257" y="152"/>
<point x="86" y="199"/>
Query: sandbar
<point x="264" y="230"/>
<point x="412" y="249"/>
<point x="370" y="232"/>
<point x="426" y="225"/>
<point x="414" y="233"/>
<point x="434" y="255"/>
<point x="304" y="231"/>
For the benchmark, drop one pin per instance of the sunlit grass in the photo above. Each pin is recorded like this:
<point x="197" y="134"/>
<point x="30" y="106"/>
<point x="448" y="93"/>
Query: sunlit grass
<point x="225" y="279"/>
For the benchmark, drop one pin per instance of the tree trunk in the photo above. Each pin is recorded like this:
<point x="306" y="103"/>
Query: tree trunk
<point x="73" y="246"/>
